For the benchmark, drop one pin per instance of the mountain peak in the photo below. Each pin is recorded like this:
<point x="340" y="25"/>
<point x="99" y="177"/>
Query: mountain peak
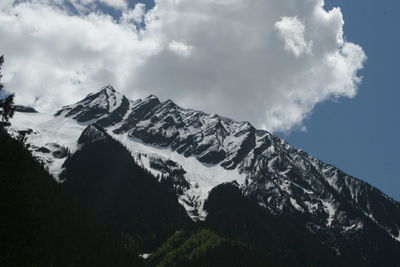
<point x="108" y="89"/>
<point x="152" y="98"/>
<point x="92" y="133"/>
<point x="169" y="102"/>
<point x="95" y="106"/>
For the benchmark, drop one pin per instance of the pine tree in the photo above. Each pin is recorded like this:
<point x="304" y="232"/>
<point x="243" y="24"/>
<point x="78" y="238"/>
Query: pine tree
<point x="6" y="104"/>
<point x="1" y="64"/>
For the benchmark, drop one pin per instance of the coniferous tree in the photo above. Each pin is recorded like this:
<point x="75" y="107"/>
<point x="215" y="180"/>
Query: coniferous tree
<point x="6" y="104"/>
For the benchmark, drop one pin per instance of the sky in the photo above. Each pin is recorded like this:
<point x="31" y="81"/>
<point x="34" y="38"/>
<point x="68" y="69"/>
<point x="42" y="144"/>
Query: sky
<point x="269" y="62"/>
<point x="361" y="135"/>
<point x="321" y="77"/>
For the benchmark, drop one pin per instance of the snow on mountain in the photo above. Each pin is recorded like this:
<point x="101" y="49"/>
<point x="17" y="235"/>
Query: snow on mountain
<point x="201" y="177"/>
<point x="200" y="151"/>
<point x="50" y="139"/>
<point x="105" y="107"/>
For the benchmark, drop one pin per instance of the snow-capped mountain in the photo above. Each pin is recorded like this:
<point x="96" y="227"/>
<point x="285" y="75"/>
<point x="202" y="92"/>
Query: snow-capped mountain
<point x="197" y="151"/>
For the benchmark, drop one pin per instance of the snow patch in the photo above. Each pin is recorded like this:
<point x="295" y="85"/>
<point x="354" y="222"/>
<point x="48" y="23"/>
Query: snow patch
<point x="202" y="177"/>
<point x="331" y="210"/>
<point x="285" y="186"/>
<point x="354" y="227"/>
<point x="114" y="99"/>
<point x="296" y="205"/>
<point x="145" y="255"/>
<point x="398" y="237"/>
<point x="312" y="207"/>
<point x="48" y="130"/>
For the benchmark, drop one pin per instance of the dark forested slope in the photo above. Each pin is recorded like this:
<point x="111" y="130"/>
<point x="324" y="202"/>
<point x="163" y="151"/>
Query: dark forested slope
<point x="41" y="225"/>
<point x="105" y="178"/>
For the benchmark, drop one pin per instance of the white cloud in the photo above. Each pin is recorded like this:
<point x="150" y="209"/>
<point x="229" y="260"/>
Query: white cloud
<point x="137" y="14"/>
<point x="53" y="59"/>
<point x="292" y="32"/>
<point x="266" y="61"/>
<point x="180" y="48"/>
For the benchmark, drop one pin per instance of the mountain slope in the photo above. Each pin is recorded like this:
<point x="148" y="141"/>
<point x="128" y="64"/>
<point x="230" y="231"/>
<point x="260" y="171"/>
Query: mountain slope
<point x="285" y="238"/>
<point x="204" y="248"/>
<point x="42" y="225"/>
<point x="105" y="178"/>
<point x="281" y="239"/>
<point x="194" y="152"/>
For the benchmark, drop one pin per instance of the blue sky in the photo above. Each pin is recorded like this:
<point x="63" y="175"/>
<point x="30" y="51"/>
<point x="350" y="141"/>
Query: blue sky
<point x="362" y="135"/>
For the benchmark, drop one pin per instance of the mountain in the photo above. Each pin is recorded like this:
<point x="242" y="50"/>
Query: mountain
<point x="193" y="152"/>
<point x="105" y="178"/>
<point x="19" y="108"/>
<point x="42" y="225"/>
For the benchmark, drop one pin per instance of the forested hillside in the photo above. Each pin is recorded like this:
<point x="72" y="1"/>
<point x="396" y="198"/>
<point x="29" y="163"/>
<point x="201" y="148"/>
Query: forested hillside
<point x="41" y="225"/>
<point x="105" y="178"/>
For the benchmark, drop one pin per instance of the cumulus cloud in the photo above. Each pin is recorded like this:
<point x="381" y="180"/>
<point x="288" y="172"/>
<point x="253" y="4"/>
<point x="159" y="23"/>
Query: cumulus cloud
<point x="269" y="62"/>
<point x="180" y="48"/>
<point x="53" y="58"/>
<point x="136" y="15"/>
<point x="292" y="32"/>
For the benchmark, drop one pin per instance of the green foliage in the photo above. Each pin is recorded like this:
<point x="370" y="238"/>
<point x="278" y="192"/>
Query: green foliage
<point x="41" y="225"/>
<point x="237" y="232"/>
<point x="203" y="248"/>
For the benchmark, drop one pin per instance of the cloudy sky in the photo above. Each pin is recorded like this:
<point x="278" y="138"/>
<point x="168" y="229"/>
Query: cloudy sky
<point x="273" y="63"/>
<point x="267" y="61"/>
